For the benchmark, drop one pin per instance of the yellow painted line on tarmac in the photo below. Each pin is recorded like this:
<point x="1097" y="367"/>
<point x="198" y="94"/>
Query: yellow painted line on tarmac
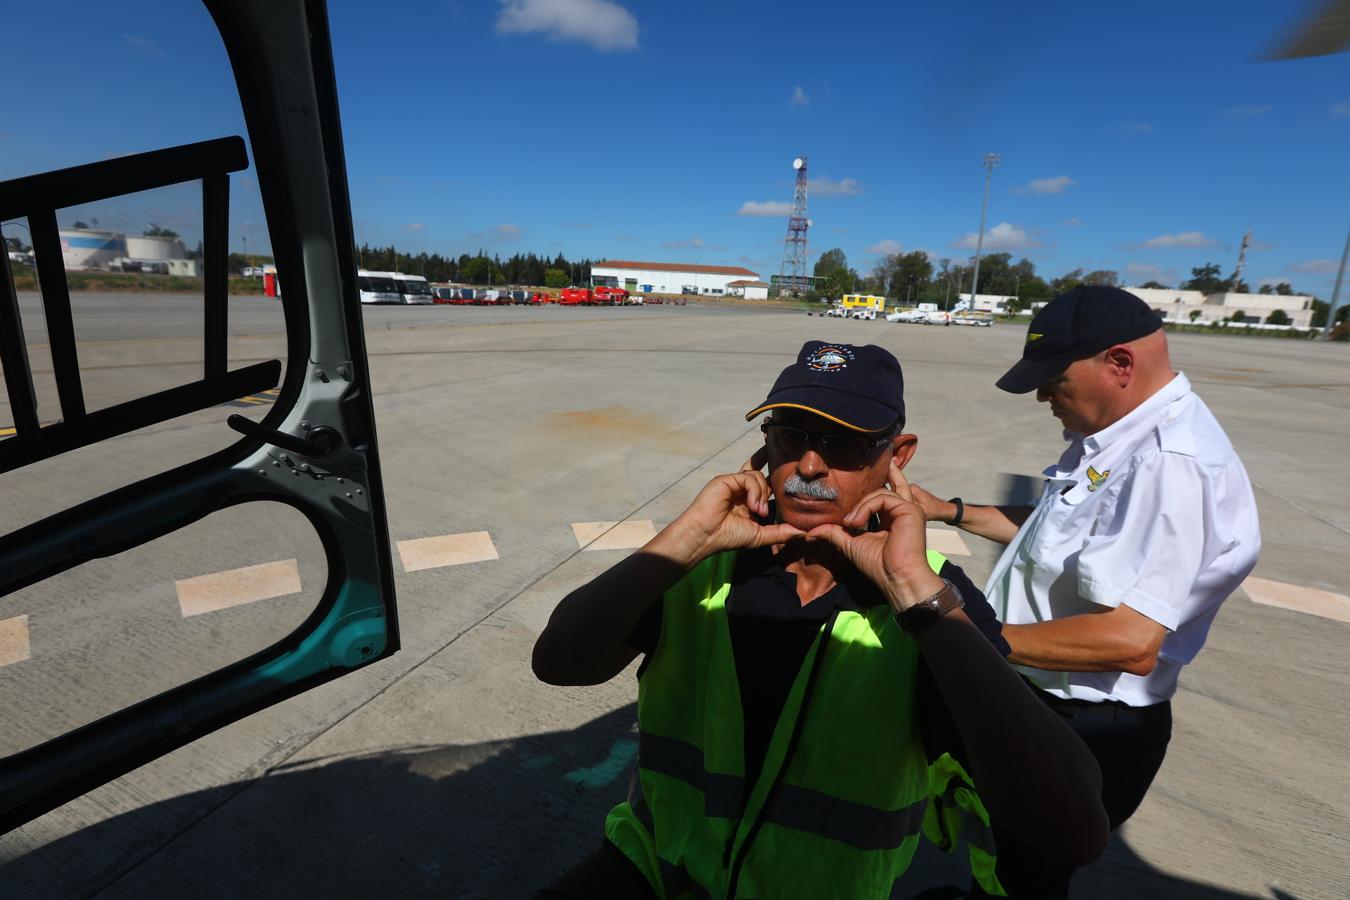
<point x="446" y="550"/>
<point x="1299" y="599"/>
<point x="14" y="645"/>
<point x="236" y="587"/>
<point x="6" y="432"/>
<point x="627" y="535"/>
<point x="947" y="542"/>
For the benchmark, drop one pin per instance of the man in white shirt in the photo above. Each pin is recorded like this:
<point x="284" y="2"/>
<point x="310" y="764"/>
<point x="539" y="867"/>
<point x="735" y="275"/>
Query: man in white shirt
<point x="1144" y="526"/>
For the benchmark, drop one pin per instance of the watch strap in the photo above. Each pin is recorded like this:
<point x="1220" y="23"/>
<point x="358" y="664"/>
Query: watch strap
<point x="925" y="613"/>
<point x="960" y="511"/>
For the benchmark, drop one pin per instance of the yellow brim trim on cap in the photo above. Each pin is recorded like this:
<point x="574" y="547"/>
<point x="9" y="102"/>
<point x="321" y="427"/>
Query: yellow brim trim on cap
<point x="756" y="411"/>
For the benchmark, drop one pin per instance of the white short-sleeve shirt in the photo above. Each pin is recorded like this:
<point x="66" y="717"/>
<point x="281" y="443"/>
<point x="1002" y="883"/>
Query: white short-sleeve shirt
<point x="1155" y="512"/>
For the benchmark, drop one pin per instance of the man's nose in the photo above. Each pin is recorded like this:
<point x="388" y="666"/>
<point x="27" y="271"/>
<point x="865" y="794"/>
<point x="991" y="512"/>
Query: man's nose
<point x="812" y="464"/>
<point x="1043" y="393"/>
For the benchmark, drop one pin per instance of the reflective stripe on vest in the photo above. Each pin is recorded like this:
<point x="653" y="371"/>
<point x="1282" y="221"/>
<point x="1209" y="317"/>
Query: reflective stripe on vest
<point x="841" y="817"/>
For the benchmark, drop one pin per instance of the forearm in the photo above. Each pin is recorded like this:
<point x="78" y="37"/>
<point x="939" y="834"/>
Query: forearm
<point x="1089" y="642"/>
<point x="995" y="523"/>
<point x="585" y="641"/>
<point x="1033" y="774"/>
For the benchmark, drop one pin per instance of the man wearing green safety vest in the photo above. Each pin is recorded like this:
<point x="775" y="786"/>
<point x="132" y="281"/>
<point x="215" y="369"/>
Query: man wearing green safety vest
<point x="818" y="688"/>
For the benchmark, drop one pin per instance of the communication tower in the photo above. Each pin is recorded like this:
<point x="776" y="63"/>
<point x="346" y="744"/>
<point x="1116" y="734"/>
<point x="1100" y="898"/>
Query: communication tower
<point x="1242" y="261"/>
<point x="792" y="277"/>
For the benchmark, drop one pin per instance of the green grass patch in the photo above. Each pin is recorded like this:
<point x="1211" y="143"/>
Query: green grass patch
<point x="25" y="279"/>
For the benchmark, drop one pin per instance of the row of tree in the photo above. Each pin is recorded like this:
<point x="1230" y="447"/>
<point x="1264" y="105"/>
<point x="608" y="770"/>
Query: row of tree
<point x="915" y="277"/>
<point x="479" y="268"/>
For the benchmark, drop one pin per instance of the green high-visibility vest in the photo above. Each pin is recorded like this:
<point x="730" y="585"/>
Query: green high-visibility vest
<point x="845" y="789"/>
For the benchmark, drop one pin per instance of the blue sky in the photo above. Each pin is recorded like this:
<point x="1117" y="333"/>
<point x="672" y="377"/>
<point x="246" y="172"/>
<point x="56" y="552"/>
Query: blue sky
<point x="1141" y="137"/>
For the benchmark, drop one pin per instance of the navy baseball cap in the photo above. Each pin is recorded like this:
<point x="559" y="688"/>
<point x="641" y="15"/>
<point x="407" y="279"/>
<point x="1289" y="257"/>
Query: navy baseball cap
<point x="1075" y="325"/>
<point x="861" y="388"/>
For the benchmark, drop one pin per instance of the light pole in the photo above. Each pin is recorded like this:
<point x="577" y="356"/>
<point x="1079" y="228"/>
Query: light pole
<point x="1336" y="291"/>
<point x="990" y="162"/>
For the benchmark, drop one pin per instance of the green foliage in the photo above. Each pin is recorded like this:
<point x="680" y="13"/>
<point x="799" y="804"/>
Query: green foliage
<point x="1206" y="279"/>
<point x="480" y="269"/>
<point x="1278" y="317"/>
<point x="155" y="231"/>
<point x="1155" y="284"/>
<point x="555" y="278"/>
<point x="830" y="261"/>
<point x="79" y="224"/>
<point x="1319" y="313"/>
<point x="1195" y="314"/>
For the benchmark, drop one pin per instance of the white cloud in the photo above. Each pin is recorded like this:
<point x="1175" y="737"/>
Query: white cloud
<point x="799" y="97"/>
<point x="623" y="237"/>
<point x="414" y="226"/>
<point x="1135" y="128"/>
<point x="1138" y="273"/>
<point x="1245" y="112"/>
<point x="144" y="44"/>
<point x="603" y="24"/>
<point x="885" y="247"/>
<point x="1341" y="110"/>
<point x="1003" y="236"/>
<point x="765" y="208"/>
<point x="695" y="243"/>
<point x="1056" y="185"/>
<point x="1313" y="265"/>
<point x="508" y="232"/>
<point x="1184" y="239"/>
<point x="830" y="187"/>
<point x="1073" y="220"/>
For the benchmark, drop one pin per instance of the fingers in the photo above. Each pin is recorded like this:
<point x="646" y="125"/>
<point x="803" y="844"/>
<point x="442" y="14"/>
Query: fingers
<point x="753" y="487"/>
<point x="777" y="534"/>
<point x="757" y="461"/>
<point x="831" y="534"/>
<point x="887" y="503"/>
<point x="900" y="484"/>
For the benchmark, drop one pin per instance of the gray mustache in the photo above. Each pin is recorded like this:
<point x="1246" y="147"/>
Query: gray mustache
<point x="816" y="490"/>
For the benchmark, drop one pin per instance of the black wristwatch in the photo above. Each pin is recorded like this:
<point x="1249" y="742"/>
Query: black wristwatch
<point x="960" y="511"/>
<point x="921" y="615"/>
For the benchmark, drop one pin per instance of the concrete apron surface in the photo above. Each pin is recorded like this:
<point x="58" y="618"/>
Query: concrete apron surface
<point x="449" y="771"/>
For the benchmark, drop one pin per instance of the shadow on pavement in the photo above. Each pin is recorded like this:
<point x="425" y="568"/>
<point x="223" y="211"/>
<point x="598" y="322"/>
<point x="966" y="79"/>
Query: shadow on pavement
<point x="490" y="820"/>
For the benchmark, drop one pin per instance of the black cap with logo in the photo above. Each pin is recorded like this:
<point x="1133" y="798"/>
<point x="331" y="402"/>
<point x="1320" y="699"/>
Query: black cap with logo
<point x="861" y="388"/>
<point x="1075" y="325"/>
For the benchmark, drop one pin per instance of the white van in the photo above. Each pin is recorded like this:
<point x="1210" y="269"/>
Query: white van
<point x="414" y="288"/>
<point x="378" y="287"/>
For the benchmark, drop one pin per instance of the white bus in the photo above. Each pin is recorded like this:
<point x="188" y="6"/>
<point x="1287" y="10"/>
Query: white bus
<point x="378" y="287"/>
<point x="414" y="288"/>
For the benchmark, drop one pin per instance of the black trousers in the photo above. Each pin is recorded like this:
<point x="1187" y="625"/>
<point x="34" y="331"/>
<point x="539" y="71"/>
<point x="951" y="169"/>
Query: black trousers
<point x="604" y="875"/>
<point x="1129" y="743"/>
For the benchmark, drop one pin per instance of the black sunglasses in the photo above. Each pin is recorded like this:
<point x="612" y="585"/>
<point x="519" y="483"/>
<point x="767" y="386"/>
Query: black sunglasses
<point x="840" y="449"/>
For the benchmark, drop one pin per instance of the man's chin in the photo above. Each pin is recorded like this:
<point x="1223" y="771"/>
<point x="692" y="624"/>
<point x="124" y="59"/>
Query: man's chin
<point x="806" y="514"/>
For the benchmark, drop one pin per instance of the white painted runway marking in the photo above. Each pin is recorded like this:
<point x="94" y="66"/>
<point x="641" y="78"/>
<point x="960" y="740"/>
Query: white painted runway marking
<point x="613" y="535"/>
<point x="235" y="587"/>
<point x="446" y="550"/>
<point x="14" y="640"/>
<point x="947" y="542"/>
<point x="1299" y="599"/>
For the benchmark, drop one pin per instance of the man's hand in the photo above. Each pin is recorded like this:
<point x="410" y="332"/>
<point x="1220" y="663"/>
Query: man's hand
<point x="894" y="558"/>
<point x="934" y="509"/>
<point x="724" y="517"/>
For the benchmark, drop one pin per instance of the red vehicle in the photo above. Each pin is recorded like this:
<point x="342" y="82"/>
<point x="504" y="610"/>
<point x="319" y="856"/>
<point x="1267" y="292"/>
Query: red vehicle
<point x="540" y="297"/>
<point x="576" y="297"/>
<point x="610" y="296"/>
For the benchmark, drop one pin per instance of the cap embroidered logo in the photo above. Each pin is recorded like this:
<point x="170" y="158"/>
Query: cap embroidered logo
<point x="1034" y="336"/>
<point x="830" y="359"/>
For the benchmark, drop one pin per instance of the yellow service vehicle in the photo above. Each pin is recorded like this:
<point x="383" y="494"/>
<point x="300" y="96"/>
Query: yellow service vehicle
<point x="864" y="301"/>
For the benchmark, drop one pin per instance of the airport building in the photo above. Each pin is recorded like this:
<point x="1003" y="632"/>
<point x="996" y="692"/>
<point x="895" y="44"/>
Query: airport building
<point x="669" y="278"/>
<point x="91" y="248"/>
<point x="1252" y="309"/>
<point x="990" y="303"/>
<point x="749" y="289"/>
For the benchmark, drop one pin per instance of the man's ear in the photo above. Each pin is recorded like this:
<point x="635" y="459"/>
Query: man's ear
<point x="903" y="447"/>
<point x="1119" y="361"/>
